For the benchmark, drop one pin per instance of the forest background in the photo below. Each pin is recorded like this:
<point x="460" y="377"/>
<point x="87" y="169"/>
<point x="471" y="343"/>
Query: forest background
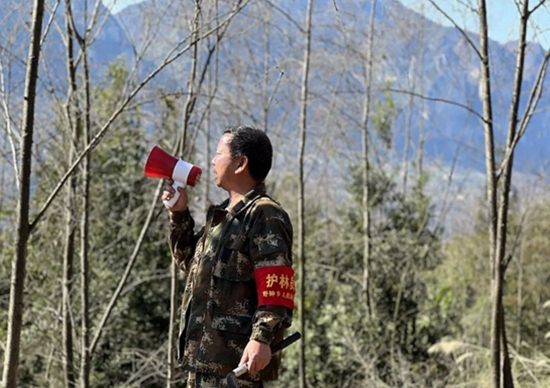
<point x="413" y="159"/>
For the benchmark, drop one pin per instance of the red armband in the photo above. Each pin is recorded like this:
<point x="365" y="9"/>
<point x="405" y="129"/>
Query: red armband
<point x="275" y="286"/>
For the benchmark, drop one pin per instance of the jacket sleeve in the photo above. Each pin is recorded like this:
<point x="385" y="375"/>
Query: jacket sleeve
<point x="271" y="249"/>
<point x="182" y="238"/>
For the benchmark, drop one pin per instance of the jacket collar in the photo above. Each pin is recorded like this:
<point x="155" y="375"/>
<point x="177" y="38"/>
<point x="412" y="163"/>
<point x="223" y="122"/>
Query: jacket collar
<point x="248" y="199"/>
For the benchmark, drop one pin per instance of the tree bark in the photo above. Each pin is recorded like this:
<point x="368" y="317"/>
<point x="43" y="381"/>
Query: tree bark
<point x="85" y="365"/>
<point x="17" y="285"/>
<point x="73" y="124"/>
<point x="68" y="261"/>
<point x="507" y="378"/>
<point x="519" y="295"/>
<point x="408" y="124"/>
<point x="301" y="197"/>
<point x="172" y="334"/>
<point x="491" y="187"/>
<point x="500" y="187"/>
<point x="503" y="203"/>
<point x="187" y="110"/>
<point x="422" y="106"/>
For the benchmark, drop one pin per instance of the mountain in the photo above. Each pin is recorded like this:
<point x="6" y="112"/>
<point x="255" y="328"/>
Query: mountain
<point x="447" y="67"/>
<point x="108" y="42"/>
<point x="410" y="51"/>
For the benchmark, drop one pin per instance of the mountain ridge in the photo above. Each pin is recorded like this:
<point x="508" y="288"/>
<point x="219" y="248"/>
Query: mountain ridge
<point x="450" y="71"/>
<point x="411" y="49"/>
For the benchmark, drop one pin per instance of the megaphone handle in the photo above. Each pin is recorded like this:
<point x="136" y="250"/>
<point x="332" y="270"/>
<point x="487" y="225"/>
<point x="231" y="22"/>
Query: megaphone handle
<point x="171" y="202"/>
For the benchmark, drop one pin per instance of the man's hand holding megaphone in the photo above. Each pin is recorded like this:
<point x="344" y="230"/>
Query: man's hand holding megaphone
<point x="179" y="173"/>
<point x="170" y="191"/>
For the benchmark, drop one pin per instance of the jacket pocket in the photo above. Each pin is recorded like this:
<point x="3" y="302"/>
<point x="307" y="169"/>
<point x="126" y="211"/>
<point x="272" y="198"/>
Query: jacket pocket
<point x="232" y="323"/>
<point x="233" y="263"/>
<point x="233" y="294"/>
<point x="225" y="340"/>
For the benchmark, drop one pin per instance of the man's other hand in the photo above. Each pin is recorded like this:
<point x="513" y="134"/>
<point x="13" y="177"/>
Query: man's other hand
<point x="257" y="354"/>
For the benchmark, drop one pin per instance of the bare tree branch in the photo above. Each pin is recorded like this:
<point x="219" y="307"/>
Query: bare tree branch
<point x="540" y="4"/>
<point x="11" y="135"/>
<point x="286" y="15"/>
<point x="127" y="271"/>
<point x="170" y="57"/>
<point x="49" y="24"/>
<point x="530" y="110"/>
<point x="437" y="99"/>
<point x="461" y="30"/>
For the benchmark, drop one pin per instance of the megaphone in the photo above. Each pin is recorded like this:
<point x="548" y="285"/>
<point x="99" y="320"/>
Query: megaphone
<point x="160" y="164"/>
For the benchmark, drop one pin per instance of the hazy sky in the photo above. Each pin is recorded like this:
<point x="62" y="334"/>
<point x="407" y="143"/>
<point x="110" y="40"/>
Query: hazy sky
<point x="503" y="17"/>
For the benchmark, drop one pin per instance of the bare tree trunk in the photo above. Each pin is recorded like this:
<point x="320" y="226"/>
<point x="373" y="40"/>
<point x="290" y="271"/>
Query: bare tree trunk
<point x="68" y="259"/>
<point x="365" y="163"/>
<point x="84" y="230"/>
<point x="422" y="118"/>
<point x="265" y="95"/>
<point x="187" y="110"/>
<point x="507" y="378"/>
<point x="491" y="190"/>
<point x="170" y="378"/>
<point x="499" y="221"/>
<point x="301" y="198"/>
<point x="505" y="191"/>
<point x="212" y="87"/>
<point x="421" y="139"/>
<point x="408" y="123"/>
<point x="519" y="299"/>
<point x="17" y="285"/>
<point x="207" y="137"/>
<point x="73" y="123"/>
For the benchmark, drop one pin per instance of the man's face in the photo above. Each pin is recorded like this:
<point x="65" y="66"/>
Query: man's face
<point x="224" y="165"/>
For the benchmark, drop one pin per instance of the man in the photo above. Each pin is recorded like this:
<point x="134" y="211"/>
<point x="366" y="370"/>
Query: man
<point x="239" y="293"/>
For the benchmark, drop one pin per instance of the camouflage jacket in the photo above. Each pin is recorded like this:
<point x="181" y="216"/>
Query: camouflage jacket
<point x="233" y="293"/>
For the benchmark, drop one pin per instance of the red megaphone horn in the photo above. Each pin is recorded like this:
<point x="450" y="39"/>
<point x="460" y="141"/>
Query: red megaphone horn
<point x="160" y="164"/>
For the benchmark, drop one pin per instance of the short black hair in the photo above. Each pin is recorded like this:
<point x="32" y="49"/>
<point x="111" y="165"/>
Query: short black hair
<point x="255" y="145"/>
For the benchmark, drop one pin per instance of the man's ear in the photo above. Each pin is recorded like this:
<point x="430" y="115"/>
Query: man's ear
<point x="243" y="164"/>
